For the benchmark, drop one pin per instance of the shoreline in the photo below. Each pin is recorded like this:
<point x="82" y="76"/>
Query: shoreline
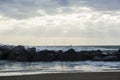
<point x="43" y="73"/>
<point x="67" y="76"/>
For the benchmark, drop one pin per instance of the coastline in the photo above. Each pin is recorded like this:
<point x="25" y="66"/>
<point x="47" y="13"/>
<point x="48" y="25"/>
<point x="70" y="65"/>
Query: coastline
<point x="67" y="76"/>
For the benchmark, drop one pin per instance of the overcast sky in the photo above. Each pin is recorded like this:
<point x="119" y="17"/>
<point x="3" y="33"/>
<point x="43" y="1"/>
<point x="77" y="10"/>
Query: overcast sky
<point x="60" y="22"/>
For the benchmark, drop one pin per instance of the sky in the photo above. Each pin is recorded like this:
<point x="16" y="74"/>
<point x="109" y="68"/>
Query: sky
<point x="60" y="22"/>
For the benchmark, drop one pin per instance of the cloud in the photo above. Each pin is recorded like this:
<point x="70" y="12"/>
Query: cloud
<point x="21" y="9"/>
<point x="76" y="20"/>
<point x="84" y="22"/>
<point x="103" y="5"/>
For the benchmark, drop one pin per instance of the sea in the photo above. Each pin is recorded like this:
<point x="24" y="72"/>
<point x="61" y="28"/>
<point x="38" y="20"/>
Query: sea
<point x="11" y="68"/>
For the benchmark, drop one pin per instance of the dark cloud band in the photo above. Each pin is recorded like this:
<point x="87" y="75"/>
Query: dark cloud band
<point x="21" y="9"/>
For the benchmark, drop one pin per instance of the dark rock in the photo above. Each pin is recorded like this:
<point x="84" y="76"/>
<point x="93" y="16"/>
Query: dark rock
<point x="59" y="52"/>
<point x="110" y="58"/>
<point x="45" y="55"/>
<point x="97" y="58"/>
<point x="69" y="55"/>
<point x="31" y="53"/>
<point x="19" y="50"/>
<point x="4" y="52"/>
<point x="1" y="55"/>
<point x="31" y="50"/>
<point x="19" y="53"/>
<point x="70" y="51"/>
<point x="106" y="58"/>
<point x="12" y="57"/>
<point x="21" y="58"/>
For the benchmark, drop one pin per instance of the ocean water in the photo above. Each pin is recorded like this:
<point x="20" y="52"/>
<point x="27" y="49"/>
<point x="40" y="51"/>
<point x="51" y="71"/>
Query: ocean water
<point x="9" y="68"/>
<point x="78" y="48"/>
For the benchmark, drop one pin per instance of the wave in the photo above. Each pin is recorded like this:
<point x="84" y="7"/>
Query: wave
<point x="78" y="48"/>
<point x="22" y="68"/>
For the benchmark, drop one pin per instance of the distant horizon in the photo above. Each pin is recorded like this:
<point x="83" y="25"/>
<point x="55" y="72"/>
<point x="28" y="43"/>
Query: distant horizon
<point x="58" y="45"/>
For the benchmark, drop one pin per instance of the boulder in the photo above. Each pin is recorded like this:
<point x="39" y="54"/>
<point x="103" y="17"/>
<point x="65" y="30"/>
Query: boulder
<point x="110" y="58"/>
<point x="31" y="53"/>
<point x="106" y="58"/>
<point x="19" y="53"/>
<point x="21" y="58"/>
<point x="97" y="58"/>
<point x="70" y="51"/>
<point x="4" y="52"/>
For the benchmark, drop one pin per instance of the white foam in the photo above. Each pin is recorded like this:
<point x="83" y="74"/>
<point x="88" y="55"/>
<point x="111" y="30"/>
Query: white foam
<point x="20" y="68"/>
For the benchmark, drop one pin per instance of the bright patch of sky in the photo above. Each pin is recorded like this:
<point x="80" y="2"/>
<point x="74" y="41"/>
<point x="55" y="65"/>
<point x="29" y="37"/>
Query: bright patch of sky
<point x="60" y="22"/>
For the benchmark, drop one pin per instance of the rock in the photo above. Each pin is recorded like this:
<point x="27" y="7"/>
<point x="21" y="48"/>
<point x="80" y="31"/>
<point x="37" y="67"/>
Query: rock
<point x="59" y="52"/>
<point x="69" y="55"/>
<point x="19" y="50"/>
<point x="31" y="53"/>
<point x="84" y="55"/>
<point x="12" y="57"/>
<point x="106" y="58"/>
<point x="56" y="58"/>
<point x="4" y="52"/>
<point x="31" y="50"/>
<point x="117" y="54"/>
<point x="41" y="57"/>
<point x="70" y="51"/>
<point x="110" y="58"/>
<point x="21" y="58"/>
<point x="97" y="58"/>
<point x="19" y="53"/>
<point x="1" y="55"/>
<point x="45" y="55"/>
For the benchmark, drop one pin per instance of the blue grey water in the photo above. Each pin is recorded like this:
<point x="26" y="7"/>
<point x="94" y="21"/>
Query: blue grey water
<point x="9" y="68"/>
<point x="78" y="48"/>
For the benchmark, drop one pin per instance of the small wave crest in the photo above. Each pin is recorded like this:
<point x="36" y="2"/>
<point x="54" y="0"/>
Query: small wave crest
<point x="22" y="68"/>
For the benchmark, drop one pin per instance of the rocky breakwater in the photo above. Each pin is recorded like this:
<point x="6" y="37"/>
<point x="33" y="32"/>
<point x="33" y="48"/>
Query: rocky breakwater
<point x="20" y="53"/>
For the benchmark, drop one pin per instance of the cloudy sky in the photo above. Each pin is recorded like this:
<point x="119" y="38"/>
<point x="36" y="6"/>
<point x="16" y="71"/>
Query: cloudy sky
<point x="60" y="22"/>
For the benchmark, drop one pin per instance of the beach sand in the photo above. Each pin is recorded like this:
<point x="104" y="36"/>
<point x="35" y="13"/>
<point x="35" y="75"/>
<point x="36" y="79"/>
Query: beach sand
<point x="67" y="76"/>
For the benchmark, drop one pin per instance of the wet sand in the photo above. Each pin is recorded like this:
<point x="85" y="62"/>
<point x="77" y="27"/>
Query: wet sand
<point x="67" y="76"/>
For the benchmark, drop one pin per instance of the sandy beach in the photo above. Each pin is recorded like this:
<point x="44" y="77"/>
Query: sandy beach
<point x="67" y="76"/>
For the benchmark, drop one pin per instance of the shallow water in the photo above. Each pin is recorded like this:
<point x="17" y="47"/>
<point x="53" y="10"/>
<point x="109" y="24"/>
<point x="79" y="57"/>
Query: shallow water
<point x="8" y="68"/>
